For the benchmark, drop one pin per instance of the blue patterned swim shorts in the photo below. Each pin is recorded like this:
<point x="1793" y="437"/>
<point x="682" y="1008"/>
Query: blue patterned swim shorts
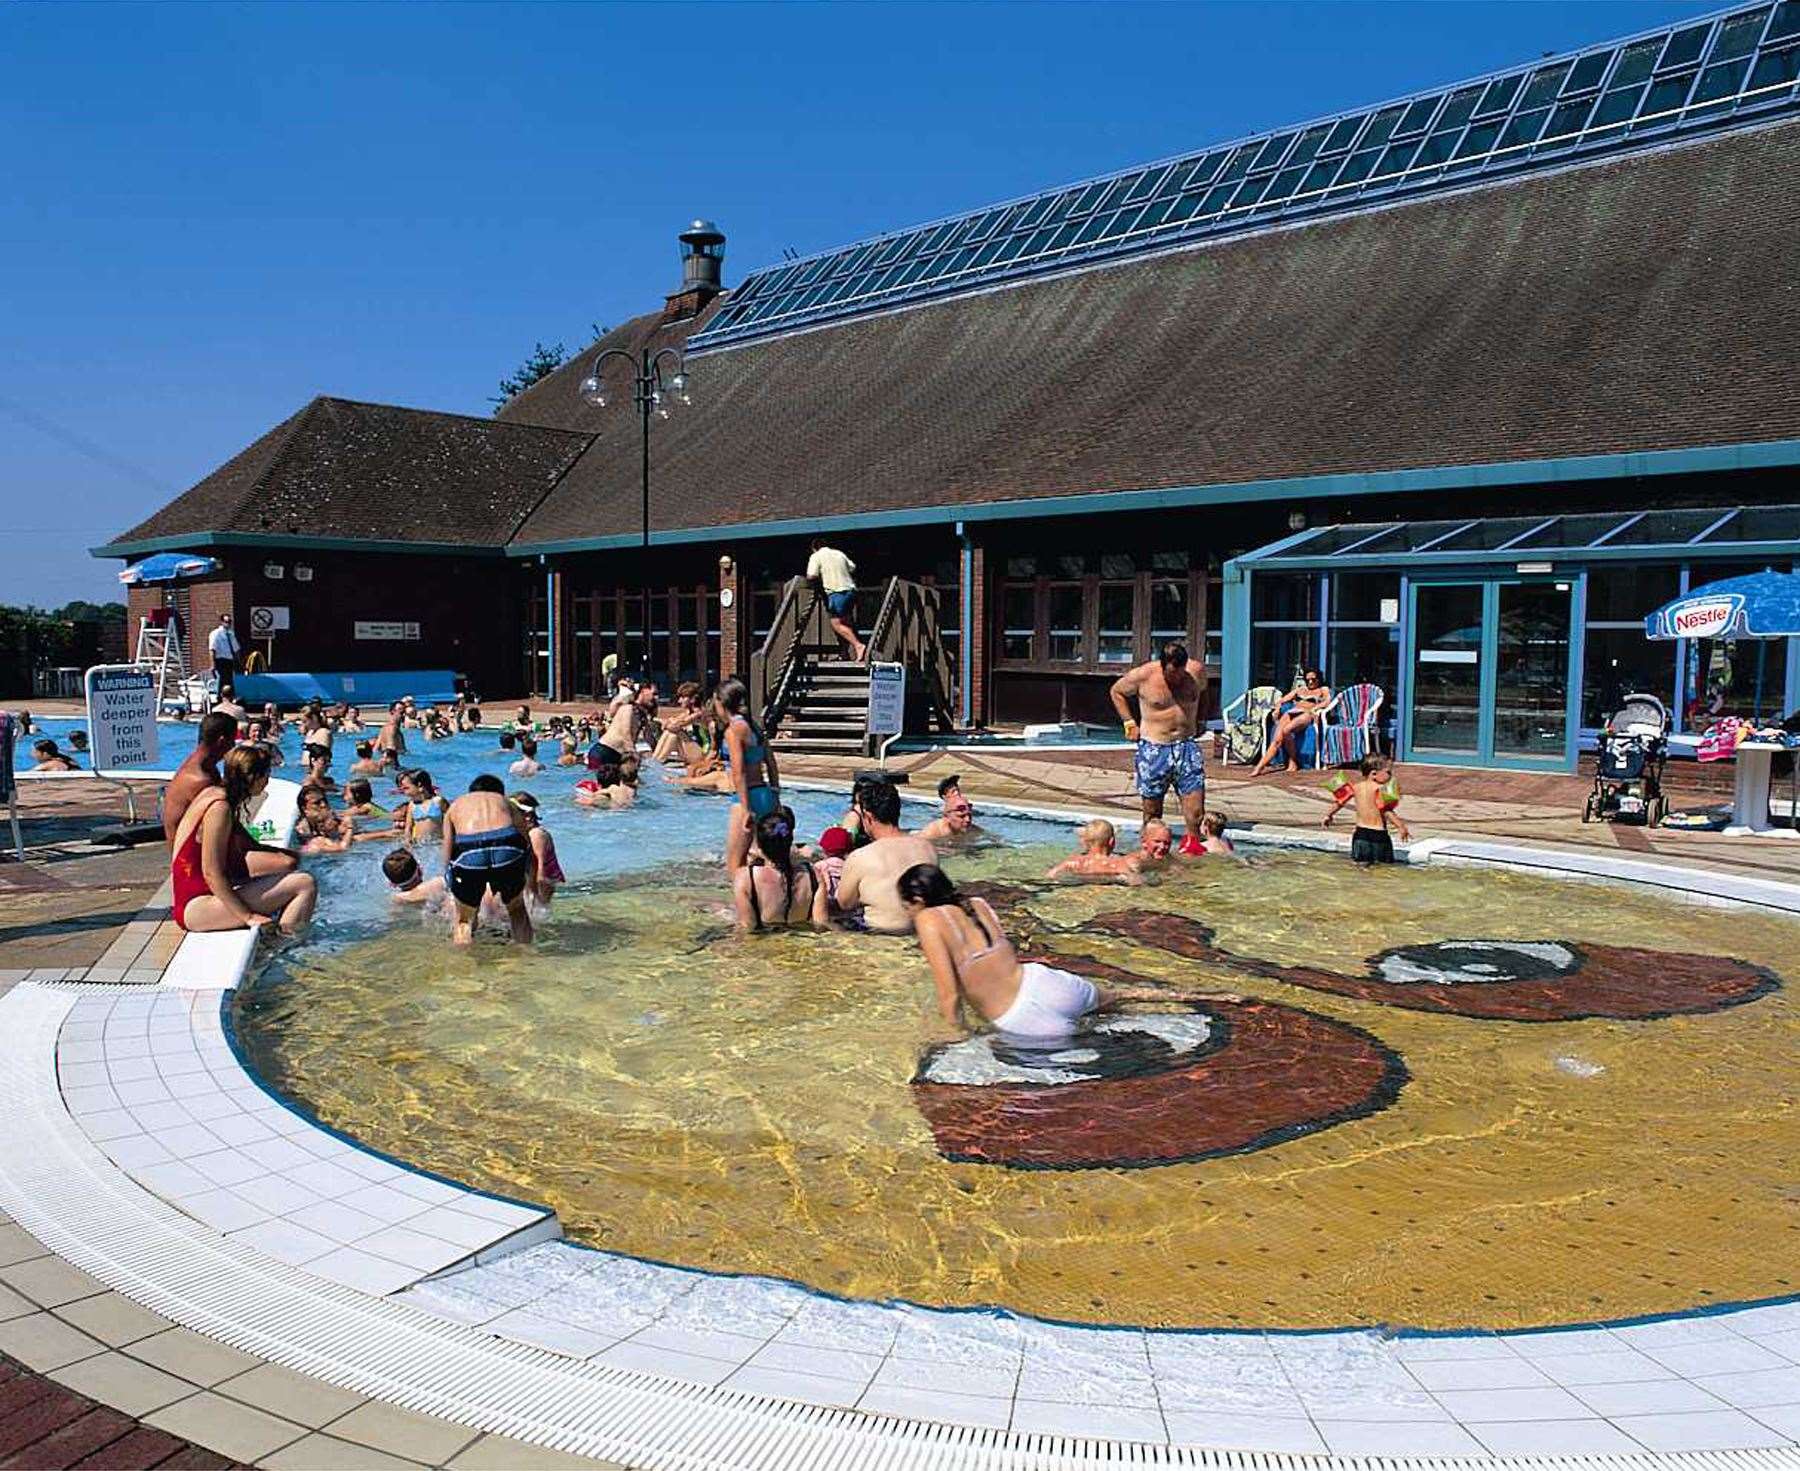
<point x="1178" y="764"/>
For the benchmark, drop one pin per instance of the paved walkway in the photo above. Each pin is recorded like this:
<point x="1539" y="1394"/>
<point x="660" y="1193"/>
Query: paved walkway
<point x="90" y="1367"/>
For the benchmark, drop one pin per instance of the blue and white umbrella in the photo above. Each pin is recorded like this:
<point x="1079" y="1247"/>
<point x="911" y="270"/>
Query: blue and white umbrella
<point x="168" y="567"/>
<point x="1761" y="605"/>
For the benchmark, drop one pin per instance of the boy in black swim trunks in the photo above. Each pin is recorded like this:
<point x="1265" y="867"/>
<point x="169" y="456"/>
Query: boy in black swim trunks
<point x="1371" y="843"/>
<point x="487" y="849"/>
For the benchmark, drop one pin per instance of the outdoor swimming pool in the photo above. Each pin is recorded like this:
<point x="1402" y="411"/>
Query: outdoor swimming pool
<point x="1589" y="1121"/>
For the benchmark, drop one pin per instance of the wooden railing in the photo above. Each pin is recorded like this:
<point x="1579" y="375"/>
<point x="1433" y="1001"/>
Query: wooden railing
<point x="800" y="631"/>
<point x="907" y="632"/>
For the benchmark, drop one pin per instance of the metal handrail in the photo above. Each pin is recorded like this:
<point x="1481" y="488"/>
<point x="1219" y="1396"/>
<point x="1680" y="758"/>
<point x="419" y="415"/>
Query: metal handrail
<point x="781" y="650"/>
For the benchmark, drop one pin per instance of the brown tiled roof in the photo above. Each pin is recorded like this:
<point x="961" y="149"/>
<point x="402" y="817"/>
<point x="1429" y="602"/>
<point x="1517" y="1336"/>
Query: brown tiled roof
<point x="372" y="472"/>
<point x="1644" y="303"/>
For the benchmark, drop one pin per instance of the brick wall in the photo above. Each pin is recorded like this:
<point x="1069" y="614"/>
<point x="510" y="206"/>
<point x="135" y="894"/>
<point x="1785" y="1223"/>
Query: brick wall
<point x="207" y="601"/>
<point x="731" y="578"/>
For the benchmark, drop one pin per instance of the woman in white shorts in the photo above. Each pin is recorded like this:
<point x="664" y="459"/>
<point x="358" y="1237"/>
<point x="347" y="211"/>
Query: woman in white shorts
<point x="973" y="961"/>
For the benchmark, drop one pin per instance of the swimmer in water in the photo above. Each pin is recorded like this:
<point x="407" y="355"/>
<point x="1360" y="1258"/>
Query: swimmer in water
<point x="1096" y="860"/>
<point x="974" y="964"/>
<point x="957" y="822"/>
<point x="1371" y="842"/>
<point x="550" y="875"/>
<point x="1212" y="834"/>
<point x="772" y="890"/>
<point x="1155" y="842"/>
<point x="617" y="787"/>
<point x="527" y="764"/>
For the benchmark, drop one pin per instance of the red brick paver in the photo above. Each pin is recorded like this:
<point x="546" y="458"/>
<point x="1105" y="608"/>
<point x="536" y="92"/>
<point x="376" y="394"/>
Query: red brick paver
<point x="44" y="1427"/>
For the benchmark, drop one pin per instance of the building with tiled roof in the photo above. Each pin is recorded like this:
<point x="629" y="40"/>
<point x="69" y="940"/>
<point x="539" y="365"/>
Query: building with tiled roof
<point x="1568" y="286"/>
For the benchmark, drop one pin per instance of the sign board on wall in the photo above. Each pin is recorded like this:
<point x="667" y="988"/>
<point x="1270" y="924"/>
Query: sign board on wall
<point x="887" y="699"/>
<point x="121" y="701"/>
<point x="265" y="621"/>
<point x="388" y="632"/>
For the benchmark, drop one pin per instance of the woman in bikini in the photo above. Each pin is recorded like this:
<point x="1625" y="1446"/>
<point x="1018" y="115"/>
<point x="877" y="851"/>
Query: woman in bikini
<point x="772" y="890"/>
<point x="213" y="888"/>
<point x="754" y="779"/>
<point x="424" y="809"/>
<point x="1300" y="707"/>
<point x="973" y="962"/>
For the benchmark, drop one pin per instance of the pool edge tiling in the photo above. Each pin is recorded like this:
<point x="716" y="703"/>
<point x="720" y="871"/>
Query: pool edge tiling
<point x="735" y="1370"/>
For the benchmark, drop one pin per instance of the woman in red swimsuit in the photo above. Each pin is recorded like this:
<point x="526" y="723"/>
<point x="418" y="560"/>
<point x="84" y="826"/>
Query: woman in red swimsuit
<point x="213" y="888"/>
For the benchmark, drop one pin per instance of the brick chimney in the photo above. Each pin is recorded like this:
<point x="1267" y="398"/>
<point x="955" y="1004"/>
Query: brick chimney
<point x="702" y="263"/>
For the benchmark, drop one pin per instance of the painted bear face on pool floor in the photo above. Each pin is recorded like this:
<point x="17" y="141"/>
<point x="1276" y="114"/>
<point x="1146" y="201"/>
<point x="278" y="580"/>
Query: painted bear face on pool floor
<point x="1498" y="980"/>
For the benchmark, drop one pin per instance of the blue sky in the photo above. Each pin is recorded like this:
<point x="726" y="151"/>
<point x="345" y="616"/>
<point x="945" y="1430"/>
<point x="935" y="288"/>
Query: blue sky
<point x="214" y="212"/>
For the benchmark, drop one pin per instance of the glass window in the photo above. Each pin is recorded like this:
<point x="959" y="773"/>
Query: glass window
<point x="1168" y="561"/>
<point x="1021" y="566"/>
<point x="1786" y="22"/>
<point x="1118" y="564"/>
<point x="1278" y="598"/>
<point x="1071" y="565"/>
<point x="1343" y="133"/>
<point x="1359" y="166"/>
<point x="1416" y="116"/>
<point x="1524" y="128"/>
<point x="1617" y="662"/>
<point x="1018" y="620"/>
<point x="1286" y="182"/>
<point x="1365" y="656"/>
<point x="1397" y="159"/>
<point x="1271" y="151"/>
<point x="1118" y="627"/>
<point x="1168" y="611"/>
<point x="1478" y="141"/>
<point x="1239" y="165"/>
<point x="1627" y="592"/>
<point x="1757" y="523"/>
<point x="1637" y="63"/>
<point x="1545" y="85"/>
<point x="1457" y="109"/>
<point x="1120" y="191"/>
<point x="1666" y="96"/>
<point x="1145" y="186"/>
<point x="1618" y="106"/>
<point x="1436" y="149"/>
<point x="1280" y="655"/>
<point x="1570" y="118"/>
<point x="1499" y="94"/>
<point x="1684" y="46"/>
<point x="1090" y="196"/>
<point x="1776" y="67"/>
<point x="1587" y="71"/>
<point x="1738" y="36"/>
<point x="1381" y="127"/>
<point x="1356" y="597"/>
<point x="1065" y="622"/>
<point x="1721" y="81"/>
<point x="1319" y="176"/>
<point x="1665" y="526"/>
<point x="1308" y="146"/>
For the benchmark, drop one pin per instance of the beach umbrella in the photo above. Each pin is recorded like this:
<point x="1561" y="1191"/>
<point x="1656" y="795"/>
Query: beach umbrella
<point x="168" y="567"/>
<point x="1760" y="605"/>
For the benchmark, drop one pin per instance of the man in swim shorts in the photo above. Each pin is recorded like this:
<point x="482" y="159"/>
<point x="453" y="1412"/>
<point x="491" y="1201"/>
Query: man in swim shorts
<point x="487" y="849"/>
<point x="628" y="722"/>
<point x="1167" y="691"/>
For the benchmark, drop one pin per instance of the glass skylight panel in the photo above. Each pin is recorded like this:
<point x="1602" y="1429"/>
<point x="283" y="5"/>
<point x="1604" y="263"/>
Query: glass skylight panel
<point x="1759" y="523"/>
<point x="1572" y="533"/>
<point x="1695" y="75"/>
<point x="1665" y="528"/>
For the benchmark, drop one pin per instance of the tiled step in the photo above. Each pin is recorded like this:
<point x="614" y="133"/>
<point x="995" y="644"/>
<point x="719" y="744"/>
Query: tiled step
<point x="151" y="1078"/>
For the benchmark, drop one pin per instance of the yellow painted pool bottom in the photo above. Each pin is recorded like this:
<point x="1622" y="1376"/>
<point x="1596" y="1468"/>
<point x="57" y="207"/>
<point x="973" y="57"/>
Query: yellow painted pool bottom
<point x="742" y="1105"/>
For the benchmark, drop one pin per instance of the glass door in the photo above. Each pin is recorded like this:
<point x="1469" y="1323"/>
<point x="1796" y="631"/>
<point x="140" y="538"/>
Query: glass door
<point x="1490" y="673"/>
<point x="1531" y="671"/>
<point x="1447" y="670"/>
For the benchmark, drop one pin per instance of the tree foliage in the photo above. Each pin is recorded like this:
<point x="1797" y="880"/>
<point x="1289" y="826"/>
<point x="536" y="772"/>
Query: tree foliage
<point x="540" y="363"/>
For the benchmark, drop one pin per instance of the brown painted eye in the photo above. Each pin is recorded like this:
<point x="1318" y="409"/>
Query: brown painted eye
<point x="1152" y="1087"/>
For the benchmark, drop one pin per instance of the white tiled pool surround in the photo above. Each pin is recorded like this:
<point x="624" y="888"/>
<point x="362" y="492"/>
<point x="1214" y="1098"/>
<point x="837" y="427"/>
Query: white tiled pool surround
<point x="150" y="1077"/>
<point x="144" y="1084"/>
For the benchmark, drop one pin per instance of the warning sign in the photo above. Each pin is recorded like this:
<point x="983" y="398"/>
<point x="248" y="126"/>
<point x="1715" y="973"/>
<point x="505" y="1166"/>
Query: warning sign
<point x="265" y="621"/>
<point x="121" y="701"/>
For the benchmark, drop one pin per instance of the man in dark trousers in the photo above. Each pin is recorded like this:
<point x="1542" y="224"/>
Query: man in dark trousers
<point x="223" y="642"/>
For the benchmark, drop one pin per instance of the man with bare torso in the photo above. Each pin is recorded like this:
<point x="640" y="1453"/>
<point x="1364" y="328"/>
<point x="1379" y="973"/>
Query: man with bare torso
<point x="872" y="872"/>
<point x="1168" y="691"/>
<point x="487" y="850"/>
<point x="217" y="735"/>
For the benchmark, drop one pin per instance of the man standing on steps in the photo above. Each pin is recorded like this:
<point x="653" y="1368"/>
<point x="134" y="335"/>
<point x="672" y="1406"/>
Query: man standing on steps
<point x="1167" y="690"/>
<point x="223" y="642"/>
<point x="835" y="574"/>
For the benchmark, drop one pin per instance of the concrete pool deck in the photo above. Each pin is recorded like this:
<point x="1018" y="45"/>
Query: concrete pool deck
<point x="972" y="1389"/>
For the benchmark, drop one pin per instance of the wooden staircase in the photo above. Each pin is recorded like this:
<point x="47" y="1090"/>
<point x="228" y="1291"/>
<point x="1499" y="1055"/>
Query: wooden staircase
<point x="811" y="700"/>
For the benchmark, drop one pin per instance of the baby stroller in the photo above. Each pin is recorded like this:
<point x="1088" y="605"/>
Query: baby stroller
<point x="1629" y="761"/>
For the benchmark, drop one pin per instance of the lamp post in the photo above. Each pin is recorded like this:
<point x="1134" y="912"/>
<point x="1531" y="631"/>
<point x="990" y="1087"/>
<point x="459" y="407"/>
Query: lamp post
<point x="649" y="392"/>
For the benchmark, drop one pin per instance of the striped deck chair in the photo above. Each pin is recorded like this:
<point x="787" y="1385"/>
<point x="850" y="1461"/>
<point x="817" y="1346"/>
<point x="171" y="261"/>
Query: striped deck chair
<point x="1347" y="728"/>
<point x="1247" y="733"/>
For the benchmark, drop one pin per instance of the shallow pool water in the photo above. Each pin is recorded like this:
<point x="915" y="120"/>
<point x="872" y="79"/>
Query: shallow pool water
<point x="1588" y="1113"/>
